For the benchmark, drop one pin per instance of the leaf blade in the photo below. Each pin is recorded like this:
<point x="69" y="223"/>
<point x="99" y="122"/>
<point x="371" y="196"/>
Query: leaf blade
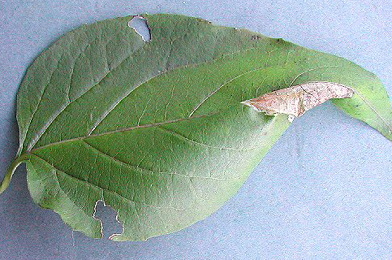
<point x="156" y="129"/>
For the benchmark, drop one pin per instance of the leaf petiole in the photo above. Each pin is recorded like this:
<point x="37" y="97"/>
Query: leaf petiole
<point x="7" y="178"/>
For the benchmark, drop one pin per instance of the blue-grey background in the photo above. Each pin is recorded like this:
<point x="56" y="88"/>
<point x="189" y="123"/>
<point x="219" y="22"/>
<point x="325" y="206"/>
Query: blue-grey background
<point x="323" y="192"/>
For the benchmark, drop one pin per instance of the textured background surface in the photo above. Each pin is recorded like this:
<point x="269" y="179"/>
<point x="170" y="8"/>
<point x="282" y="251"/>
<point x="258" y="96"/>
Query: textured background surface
<point x="323" y="192"/>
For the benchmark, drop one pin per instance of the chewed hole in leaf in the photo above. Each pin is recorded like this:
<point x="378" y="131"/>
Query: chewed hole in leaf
<point x="108" y="217"/>
<point x="139" y="24"/>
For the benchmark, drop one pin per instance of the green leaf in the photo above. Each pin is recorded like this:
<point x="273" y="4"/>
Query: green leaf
<point x="157" y="129"/>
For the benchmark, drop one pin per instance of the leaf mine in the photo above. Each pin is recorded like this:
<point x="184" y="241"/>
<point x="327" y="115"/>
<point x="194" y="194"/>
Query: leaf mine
<point x="296" y="100"/>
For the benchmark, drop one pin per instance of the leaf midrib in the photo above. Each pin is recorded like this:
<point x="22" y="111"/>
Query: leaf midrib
<point x="106" y="113"/>
<point x="121" y="130"/>
<point x="190" y="118"/>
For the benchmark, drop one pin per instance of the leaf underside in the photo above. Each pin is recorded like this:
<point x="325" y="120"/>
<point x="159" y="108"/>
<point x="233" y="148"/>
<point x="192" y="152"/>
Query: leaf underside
<point x="156" y="129"/>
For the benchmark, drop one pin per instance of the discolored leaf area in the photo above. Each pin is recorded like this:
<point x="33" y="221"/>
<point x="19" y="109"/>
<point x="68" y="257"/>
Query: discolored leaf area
<point x="295" y="101"/>
<point x="156" y="129"/>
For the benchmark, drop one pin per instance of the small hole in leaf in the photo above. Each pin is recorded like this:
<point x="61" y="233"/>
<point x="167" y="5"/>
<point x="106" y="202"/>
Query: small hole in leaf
<point x="139" y="24"/>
